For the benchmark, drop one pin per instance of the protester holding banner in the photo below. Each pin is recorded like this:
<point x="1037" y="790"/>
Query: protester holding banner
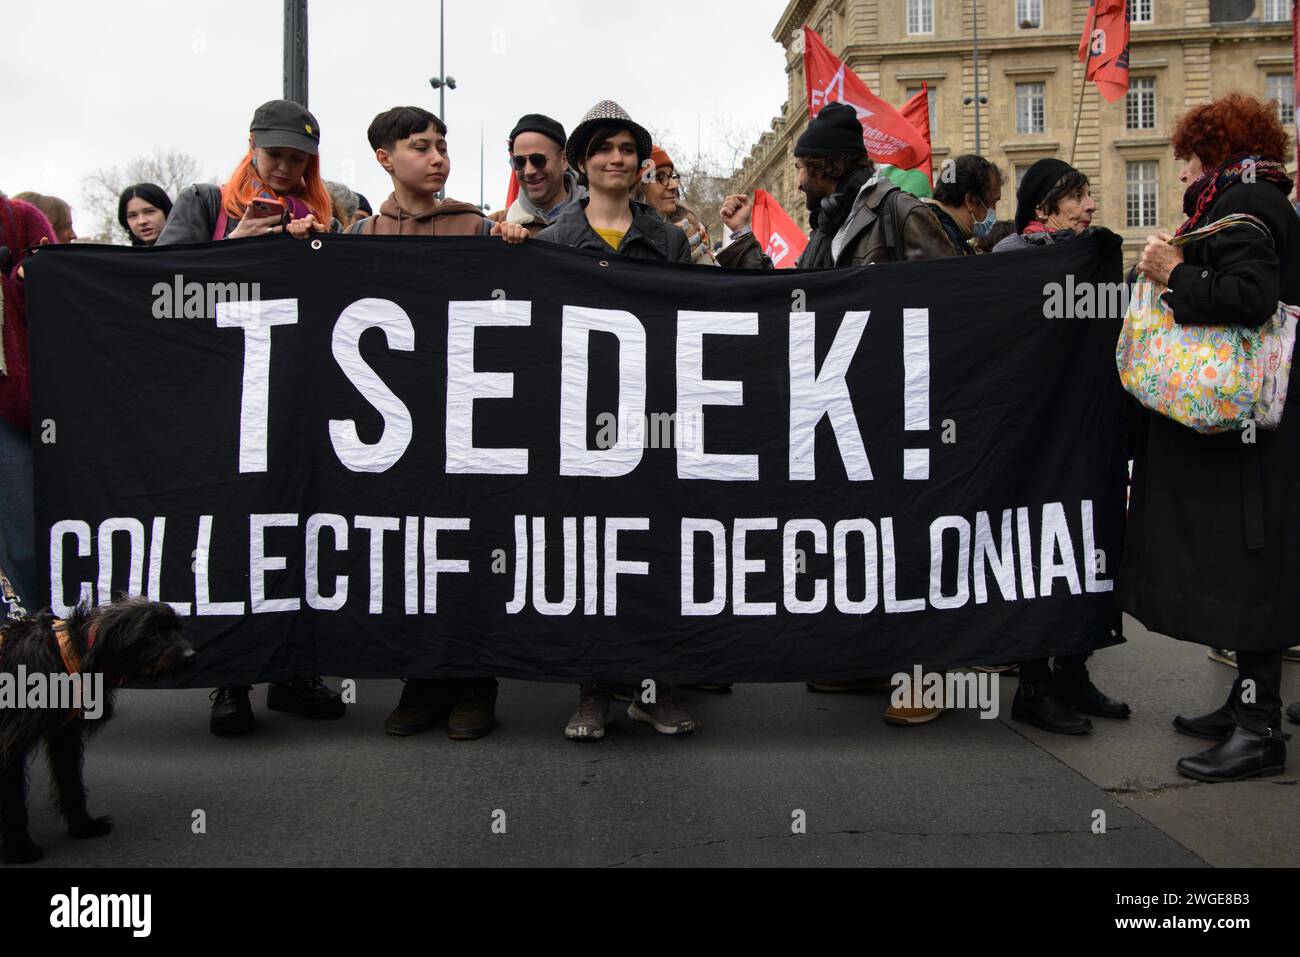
<point x="547" y="185"/>
<point x="142" y="210"/>
<point x="281" y="167"/>
<point x="1054" y="205"/>
<point x="663" y="192"/>
<point x="609" y="150"/>
<point x="21" y="225"/>
<point x="1213" y="548"/>
<point x="410" y="143"/>
<point x="966" y="199"/>
<point x="857" y="217"/>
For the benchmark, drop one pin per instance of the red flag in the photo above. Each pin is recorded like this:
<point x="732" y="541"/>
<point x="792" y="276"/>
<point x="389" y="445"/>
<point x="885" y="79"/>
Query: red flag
<point x="1104" y="47"/>
<point x="778" y="234"/>
<point x="917" y="112"/>
<point x="512" y="191"/>
<point x="889" y="137"/>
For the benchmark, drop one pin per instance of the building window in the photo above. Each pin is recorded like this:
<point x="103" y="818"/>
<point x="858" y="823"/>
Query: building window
<point x="1275" y="10"/>
<point x="1140" y="184"/>
<point x="1281" y="87"/>
<point x="920" y="16"/>
<point x="1139" y="11"/>
<point x="931" y="105"/>
<point x="1140" y="104"/>
<point x="1029" y="14"/>
<point x="1021" y="170"/>
<point x="1031" y="107"/>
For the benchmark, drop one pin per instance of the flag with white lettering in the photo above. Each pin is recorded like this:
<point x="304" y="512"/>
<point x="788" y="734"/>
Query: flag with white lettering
<point x="780" y="236"/>
<point x="889" y="136"/>
<point x="401" y="457"/>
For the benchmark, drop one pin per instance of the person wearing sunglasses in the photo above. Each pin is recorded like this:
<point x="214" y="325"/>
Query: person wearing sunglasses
<point x="662" y="187"/>
<point x="547" y="186"/>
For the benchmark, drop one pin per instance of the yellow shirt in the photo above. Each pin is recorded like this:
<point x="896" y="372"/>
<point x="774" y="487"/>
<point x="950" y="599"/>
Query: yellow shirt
<point x="612" y="237"/>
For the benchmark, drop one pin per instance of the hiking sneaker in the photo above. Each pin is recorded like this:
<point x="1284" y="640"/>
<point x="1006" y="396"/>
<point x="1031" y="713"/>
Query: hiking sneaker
<point x="1223" y="656"/>
<point x="666" y="715"/>
<point x="589" y="721"/>
<point x="906" y="717"/>
<point x="622" y="692"/>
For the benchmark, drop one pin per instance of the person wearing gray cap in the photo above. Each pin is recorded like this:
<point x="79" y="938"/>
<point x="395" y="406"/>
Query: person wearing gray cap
<point x="280" y="168"/>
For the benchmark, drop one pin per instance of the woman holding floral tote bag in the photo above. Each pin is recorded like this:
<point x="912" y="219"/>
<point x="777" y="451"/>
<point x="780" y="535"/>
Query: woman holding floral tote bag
<point x="1212" y="552"/>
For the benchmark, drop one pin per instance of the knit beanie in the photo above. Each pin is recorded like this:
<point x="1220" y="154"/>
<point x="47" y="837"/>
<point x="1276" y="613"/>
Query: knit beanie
<point x="832" y="132"/>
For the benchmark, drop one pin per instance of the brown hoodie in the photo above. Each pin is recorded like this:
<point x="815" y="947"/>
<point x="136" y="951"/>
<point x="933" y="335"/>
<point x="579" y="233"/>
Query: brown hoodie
<point x="449" y="218"/>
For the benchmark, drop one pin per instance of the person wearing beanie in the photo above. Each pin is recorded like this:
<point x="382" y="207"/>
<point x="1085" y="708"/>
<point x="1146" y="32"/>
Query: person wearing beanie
<point x="608" y="150"/>
<point x="142" y="211"/>
<point x="857" y="217"/>
<point x="22" y="225"/>
<point x="547" y="184"/>
<point x="661" y="187"/>
<point x="281" y="164"/>
<point x="1053" y="204"/>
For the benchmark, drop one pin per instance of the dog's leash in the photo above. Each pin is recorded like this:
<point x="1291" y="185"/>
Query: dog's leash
<point x="67" y="651"/>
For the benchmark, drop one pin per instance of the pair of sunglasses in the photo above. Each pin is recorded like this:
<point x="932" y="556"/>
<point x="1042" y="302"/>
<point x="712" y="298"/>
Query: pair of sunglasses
<point x="538" y="160"/>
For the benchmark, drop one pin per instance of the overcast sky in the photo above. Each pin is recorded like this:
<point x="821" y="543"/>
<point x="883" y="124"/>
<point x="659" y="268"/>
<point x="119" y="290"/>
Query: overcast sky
<point x="87" y="84"/>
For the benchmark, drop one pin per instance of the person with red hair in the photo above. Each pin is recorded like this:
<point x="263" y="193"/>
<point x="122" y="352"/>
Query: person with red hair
<point x="282" y="165"/>
<point x="1212" y="550"/>
<point x="22" y="225"/>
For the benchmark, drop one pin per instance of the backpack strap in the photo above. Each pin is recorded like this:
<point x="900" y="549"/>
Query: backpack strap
<point x="892" y="223"/>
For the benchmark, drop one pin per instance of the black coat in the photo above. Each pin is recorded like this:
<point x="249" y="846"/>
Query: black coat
<point x="649" y="236"/>
<point x="1212" y="550"/>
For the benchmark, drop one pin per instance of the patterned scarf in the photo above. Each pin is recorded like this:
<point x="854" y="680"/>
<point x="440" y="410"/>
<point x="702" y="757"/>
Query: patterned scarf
<point x="1207" y="187"/>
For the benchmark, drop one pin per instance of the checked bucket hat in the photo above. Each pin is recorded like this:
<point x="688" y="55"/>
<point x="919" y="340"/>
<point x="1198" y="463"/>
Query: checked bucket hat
<point x="605" y="113"/>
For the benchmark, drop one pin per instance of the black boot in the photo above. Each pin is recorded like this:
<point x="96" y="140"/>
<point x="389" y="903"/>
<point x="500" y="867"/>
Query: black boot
<point x="1245" y="754"/>
<point x="307" y="696"/>
<point x="1076" y="688"/>
<point x="1041" y="706"/>
<point x="231" y="712"/>
<point x="1215" y="726"/>
<point x="423" y="701"/>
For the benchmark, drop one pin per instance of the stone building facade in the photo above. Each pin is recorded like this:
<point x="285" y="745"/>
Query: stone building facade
<point x="1182" y="52"/>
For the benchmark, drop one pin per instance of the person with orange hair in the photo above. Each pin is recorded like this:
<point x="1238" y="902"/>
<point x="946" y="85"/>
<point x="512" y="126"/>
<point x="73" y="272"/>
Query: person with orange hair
<point x="282" y="165"/>
<point x="1212" y="550"/>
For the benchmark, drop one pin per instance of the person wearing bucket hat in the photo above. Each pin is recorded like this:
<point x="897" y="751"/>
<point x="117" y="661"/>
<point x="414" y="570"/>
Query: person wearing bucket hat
<point x="1053" y="204"/>
<point x="282" y="164"/>
<point x="857" y="216"/>
<point x="547" y="184"/>
<point x="608" y="150"/>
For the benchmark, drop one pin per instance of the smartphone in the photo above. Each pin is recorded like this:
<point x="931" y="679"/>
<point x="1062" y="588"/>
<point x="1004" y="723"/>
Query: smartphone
<point x="262" y="208"/>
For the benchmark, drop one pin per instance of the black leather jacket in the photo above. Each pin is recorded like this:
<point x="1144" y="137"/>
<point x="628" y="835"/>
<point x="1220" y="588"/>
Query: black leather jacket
<point x="649" y="237"/>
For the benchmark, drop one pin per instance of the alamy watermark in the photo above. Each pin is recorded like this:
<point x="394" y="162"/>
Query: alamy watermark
<point x="179" y="299"/>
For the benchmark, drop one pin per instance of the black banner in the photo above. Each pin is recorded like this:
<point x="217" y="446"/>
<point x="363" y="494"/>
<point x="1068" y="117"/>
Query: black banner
<point x="381" y="457"/>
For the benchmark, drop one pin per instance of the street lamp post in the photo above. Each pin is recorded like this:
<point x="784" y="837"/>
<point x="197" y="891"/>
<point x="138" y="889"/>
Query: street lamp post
<point x="977" y="100"/>
<point x="295" y="51"/>
<point x="442" y="82"/>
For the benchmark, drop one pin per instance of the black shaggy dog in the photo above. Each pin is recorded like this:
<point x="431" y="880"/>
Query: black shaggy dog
<point x="130" y="640"/>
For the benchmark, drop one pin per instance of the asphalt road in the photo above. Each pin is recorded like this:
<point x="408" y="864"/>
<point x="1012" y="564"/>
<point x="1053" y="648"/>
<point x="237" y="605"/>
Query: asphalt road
<point x="959" y="791"/>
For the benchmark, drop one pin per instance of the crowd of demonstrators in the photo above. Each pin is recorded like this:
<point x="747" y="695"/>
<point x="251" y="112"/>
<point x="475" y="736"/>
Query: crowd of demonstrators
<point x="56" y="210"/>
<point x="1211" y="553"/>
<point x="1054" y="204"/>
<point x="142" y="210"/>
